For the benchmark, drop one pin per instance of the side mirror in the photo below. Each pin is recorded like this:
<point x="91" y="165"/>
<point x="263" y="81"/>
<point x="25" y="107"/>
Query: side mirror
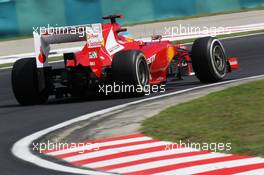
<point x="142" y="43"/>
<point x="156" y="37"/>
<point x="121" y="30"/>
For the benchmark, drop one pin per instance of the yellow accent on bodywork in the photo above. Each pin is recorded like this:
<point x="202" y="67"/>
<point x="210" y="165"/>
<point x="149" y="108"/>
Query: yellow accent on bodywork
<point x="170" y="53"/>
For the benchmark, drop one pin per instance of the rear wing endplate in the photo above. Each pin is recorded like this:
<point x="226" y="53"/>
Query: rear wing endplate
<point x="91" y="33"/>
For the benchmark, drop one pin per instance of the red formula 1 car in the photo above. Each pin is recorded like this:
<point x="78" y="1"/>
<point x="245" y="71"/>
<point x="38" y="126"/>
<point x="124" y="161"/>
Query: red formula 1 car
<point x="110" y="56"/>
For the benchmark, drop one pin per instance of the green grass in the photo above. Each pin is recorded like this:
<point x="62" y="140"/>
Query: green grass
<point x="50" y="60"/>
<point x="234" y="115"/>
<point x="55" y="58"/>
<point x="6" y="65"/>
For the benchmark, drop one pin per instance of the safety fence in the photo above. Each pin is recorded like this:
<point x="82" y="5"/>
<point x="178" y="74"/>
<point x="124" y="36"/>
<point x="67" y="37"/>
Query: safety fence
<point x="20" y="16"/>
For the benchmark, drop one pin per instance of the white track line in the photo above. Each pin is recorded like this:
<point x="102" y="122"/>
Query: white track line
<point x="230" y="37"/>
<point x="248" y="28"/>
<point x="21" y="149"/>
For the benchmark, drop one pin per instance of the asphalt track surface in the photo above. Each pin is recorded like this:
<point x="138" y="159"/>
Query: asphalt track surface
<point x="17" y="122"/>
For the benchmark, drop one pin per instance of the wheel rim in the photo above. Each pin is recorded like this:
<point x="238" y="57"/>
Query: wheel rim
<point x="219" y="59"/>
<point x="142" y="73"/>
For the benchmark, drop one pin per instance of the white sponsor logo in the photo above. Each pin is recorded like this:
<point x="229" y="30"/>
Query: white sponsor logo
<point x="232" y="62"/>
<point x="92" y="54"/>
<point x="94" y="35"/>
<point x="151" y="59"/>
<point x="112" y="46"/>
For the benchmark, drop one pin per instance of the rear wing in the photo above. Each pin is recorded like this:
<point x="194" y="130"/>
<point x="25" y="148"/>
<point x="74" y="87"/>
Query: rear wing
<point x="91" y="33"/>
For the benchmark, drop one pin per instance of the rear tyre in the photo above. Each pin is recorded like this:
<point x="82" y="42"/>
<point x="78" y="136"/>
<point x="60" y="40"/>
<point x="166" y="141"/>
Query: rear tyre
<point x="130" y="68"/>
<point x="209" y="60"/>
<point x="25" y="83"/>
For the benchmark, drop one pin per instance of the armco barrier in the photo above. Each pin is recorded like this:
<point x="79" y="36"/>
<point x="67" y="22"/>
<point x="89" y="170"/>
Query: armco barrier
<point x="19" y="16"/>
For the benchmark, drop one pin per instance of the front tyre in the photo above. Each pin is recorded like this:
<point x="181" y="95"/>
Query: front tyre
<point x="130" y="68"/>
<point x="25" y="83"/>
<point x="209" y="60"/>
